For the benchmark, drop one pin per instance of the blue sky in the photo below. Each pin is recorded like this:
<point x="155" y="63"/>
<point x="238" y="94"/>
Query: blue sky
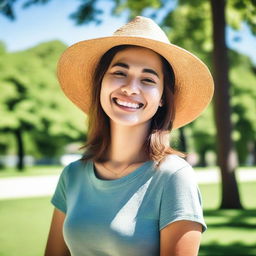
<point x="51" y="21"/>
<point x="48" y="22"/>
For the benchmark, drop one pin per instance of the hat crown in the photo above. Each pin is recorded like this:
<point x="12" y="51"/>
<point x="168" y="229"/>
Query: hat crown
<point x="142" y="27"/>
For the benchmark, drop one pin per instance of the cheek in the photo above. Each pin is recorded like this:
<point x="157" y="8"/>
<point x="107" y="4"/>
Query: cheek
<point x="154" y="94"/>
<point x="109" y="84"/>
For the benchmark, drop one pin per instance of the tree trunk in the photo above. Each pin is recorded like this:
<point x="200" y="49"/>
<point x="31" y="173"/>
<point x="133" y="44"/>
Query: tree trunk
<point x="202" y="158"/>
<point x="226" y="159"/>
<point x="20" y="149"/>
<point x="183" y="143"/>
<point x="254" y="154"/>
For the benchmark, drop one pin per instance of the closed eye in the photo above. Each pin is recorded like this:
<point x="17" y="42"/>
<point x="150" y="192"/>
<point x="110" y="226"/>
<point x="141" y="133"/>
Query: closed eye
<point x="119" y="73"/>
<point x="148" y="80"/>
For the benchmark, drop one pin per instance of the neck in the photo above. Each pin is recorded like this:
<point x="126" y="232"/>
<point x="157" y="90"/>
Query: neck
<point x="126" y="146"/>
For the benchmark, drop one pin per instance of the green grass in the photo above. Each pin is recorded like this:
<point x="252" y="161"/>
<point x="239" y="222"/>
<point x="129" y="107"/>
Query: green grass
<point x="24" y="225"/>
<point x="230" y="232"/>
<point x="211" y="195"/>
<point x="31" y="171"/>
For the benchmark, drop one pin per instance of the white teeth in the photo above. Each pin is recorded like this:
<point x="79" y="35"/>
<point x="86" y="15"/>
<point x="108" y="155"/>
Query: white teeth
<point x="127" y="104"/>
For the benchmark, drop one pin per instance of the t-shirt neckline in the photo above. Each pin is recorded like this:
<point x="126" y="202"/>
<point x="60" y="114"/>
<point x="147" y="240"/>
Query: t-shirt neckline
<point x="110" y="184"/>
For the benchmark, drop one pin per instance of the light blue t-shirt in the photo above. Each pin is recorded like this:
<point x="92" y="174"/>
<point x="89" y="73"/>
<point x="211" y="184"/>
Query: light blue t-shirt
<point x="123" y="217"/>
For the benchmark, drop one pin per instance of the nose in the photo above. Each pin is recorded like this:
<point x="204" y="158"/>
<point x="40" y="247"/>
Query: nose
<point x="131" y="87"/>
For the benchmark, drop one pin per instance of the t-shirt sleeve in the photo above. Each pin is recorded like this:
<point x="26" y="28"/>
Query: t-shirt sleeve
<point x="181" y="199"/>
<point x="59" y="196"/>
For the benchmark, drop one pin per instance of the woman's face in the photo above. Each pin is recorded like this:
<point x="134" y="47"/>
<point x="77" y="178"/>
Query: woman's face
<point x="132" y="86"/>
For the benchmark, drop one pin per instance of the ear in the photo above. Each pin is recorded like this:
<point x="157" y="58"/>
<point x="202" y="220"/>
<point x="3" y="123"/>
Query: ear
<point x="161" y="103"/>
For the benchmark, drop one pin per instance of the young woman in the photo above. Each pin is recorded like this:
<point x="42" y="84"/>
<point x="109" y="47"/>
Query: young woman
<point x="130" y="194"/>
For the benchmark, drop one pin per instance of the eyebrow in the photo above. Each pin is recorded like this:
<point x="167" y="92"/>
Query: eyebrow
<point x="151" y="71"/>
<point x="120" y="64"/>
<point x="145" y="70"/>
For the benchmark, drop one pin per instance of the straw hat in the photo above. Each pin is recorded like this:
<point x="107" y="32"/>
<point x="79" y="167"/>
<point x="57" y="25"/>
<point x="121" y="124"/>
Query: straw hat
<point x="193" y="81"/>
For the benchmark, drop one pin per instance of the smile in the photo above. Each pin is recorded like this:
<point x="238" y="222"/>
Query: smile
<point x="127" y="104"/>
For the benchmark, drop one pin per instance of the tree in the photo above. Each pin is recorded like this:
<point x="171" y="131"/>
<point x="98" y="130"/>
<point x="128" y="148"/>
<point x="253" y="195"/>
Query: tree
<point x="222" y="108"/>
<point x="14" y="98"/>
<point x="32" y="100"/>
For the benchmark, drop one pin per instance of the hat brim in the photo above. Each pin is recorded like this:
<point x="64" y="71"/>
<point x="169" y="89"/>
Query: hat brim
<point x="194" y="85"/>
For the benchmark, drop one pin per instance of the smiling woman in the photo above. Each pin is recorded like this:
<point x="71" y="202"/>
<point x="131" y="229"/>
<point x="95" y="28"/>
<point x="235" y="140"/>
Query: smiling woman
<point x="131" y="193"/>
<point x="162" y="78"/>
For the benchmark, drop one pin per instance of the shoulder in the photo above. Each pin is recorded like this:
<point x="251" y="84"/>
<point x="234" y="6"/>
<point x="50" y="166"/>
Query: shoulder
<point x="77" y="164"/>
<point x="175" y="169"/>
<point x="74" y="168"/>
<point x="177" y="174"/>
<point x="172" y="164"/>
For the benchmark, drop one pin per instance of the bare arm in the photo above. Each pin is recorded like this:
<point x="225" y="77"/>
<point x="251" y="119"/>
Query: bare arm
<point x="56" y="245"/>
<point x="181" y="238"/>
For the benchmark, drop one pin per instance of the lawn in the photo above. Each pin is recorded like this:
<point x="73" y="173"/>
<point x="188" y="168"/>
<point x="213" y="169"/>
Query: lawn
<point x="230" y="232"/>
<point x="31" y="171"/>
<point x="24" y="225"/>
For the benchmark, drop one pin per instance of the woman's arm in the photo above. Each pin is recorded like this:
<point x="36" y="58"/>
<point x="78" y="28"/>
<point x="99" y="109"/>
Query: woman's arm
<point x="181" y="238"/>
<point x="56" y="245"/>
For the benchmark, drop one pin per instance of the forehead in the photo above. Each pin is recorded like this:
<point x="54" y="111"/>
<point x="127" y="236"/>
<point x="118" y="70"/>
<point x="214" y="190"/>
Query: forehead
<point x="139" y="56"/>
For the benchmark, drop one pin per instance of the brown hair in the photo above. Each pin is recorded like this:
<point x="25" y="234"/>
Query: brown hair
<point x="156" y="144"/>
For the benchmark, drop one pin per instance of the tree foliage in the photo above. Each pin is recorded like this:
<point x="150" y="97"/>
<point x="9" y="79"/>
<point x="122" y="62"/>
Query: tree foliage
<point x="31" y="99"/>
<point x="243" y="78"/>
<point x="240" y="12"/>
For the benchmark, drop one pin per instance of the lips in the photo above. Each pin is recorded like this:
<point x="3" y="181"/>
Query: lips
<point x="128" y="104"/>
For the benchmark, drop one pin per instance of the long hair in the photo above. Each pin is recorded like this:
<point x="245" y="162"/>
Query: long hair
<point x="157" y="141"/>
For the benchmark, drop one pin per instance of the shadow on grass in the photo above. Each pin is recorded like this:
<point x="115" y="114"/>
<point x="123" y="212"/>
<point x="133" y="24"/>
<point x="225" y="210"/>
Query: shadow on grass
<point x="230" y="213"/>
<point x="233" y="249"/>
<point x="233" y="220"/>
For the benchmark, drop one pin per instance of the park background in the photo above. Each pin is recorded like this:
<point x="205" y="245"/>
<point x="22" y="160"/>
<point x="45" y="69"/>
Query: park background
<point x="39" y="125"/>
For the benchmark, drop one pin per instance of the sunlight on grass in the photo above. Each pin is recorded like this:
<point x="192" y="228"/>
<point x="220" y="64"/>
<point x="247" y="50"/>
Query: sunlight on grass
<point x="230" y="232"/>
<point x="25" y="223"/>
